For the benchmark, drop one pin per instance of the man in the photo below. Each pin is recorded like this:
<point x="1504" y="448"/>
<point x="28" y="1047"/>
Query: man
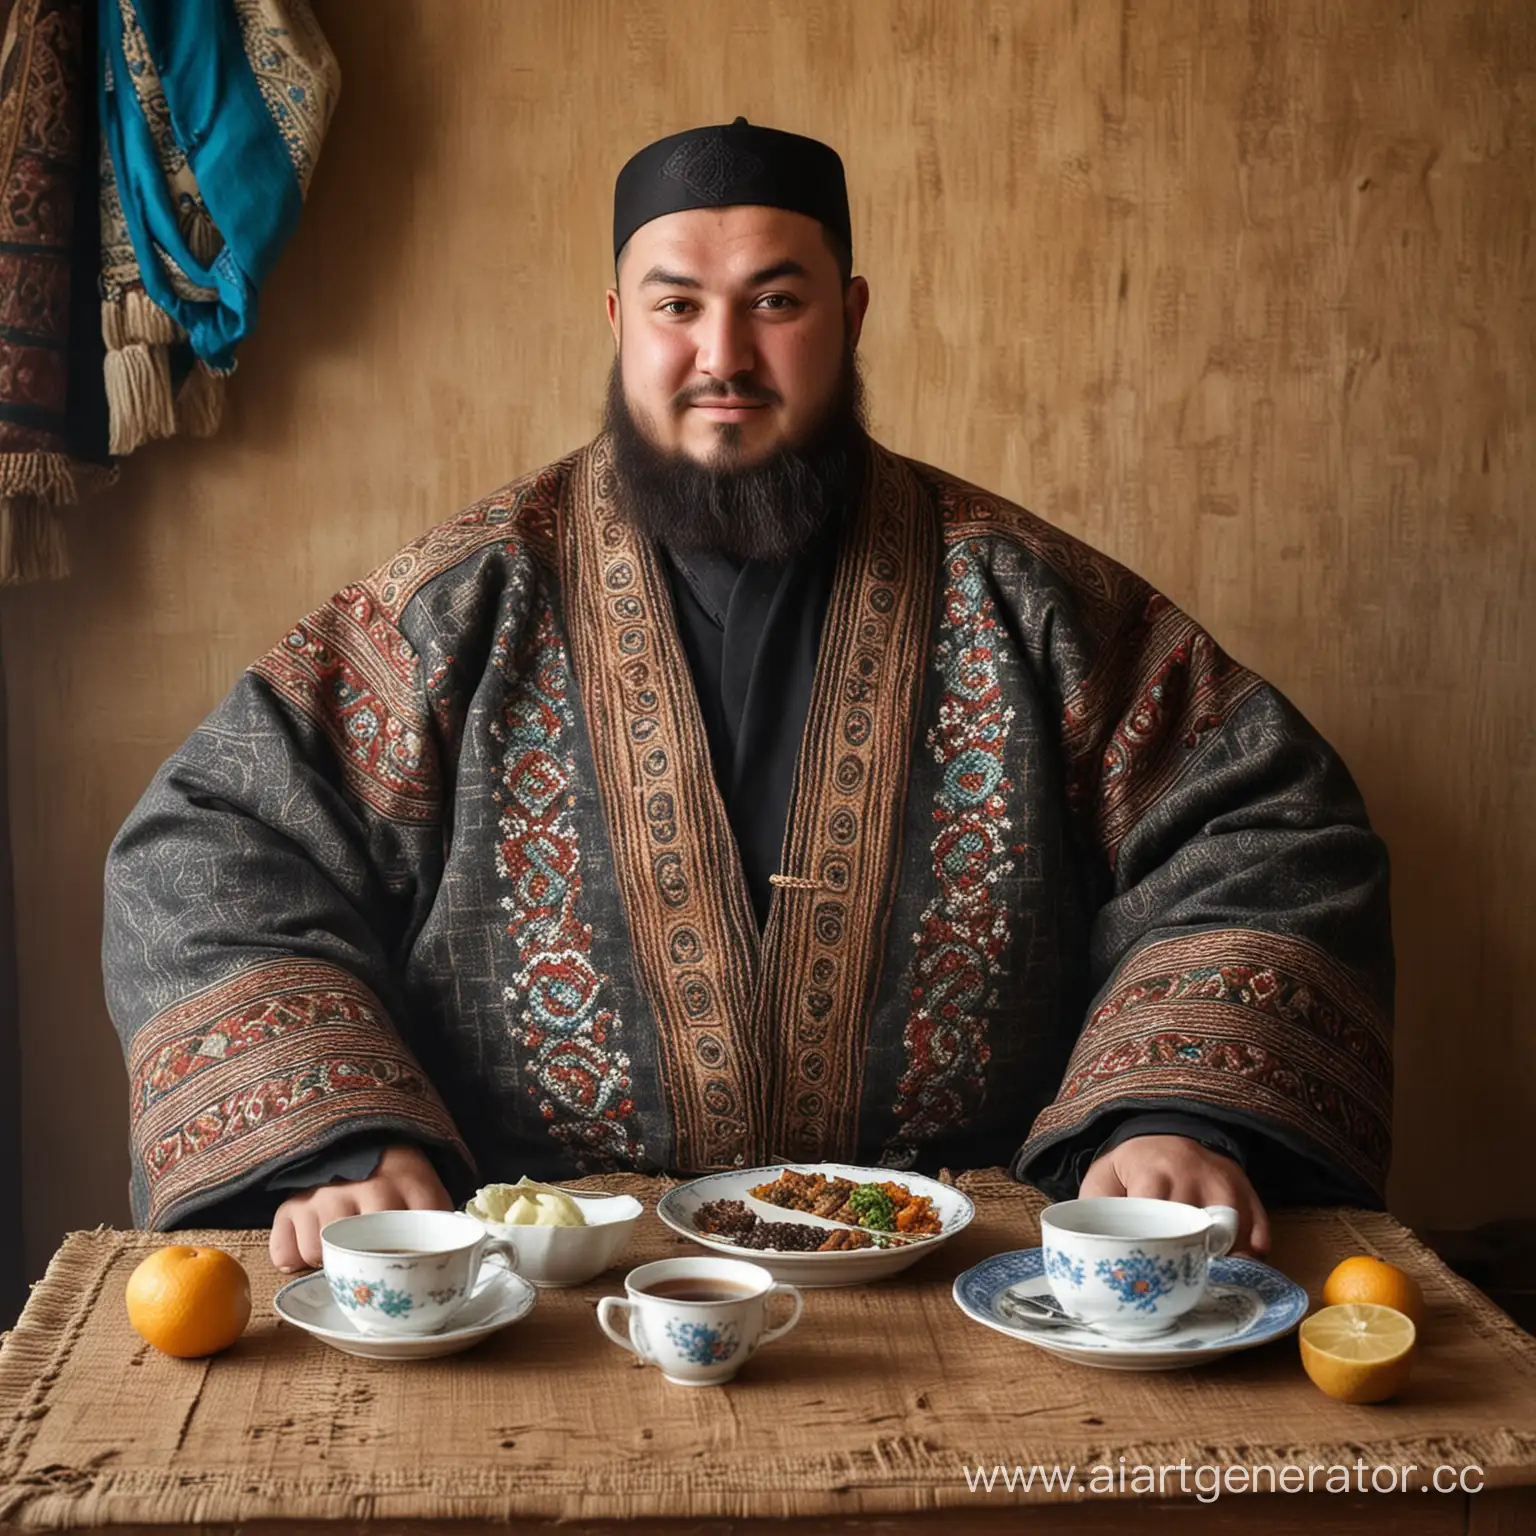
<point x="736" y="790"/>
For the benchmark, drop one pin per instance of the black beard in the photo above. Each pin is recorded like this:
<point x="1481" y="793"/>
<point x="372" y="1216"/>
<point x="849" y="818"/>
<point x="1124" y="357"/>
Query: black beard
<point x="768" y="511"/>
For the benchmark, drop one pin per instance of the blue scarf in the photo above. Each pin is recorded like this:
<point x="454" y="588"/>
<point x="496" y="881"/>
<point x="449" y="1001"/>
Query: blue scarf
<point x="220" y="122"/>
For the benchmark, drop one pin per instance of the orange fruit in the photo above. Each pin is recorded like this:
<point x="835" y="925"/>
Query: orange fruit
<point x="1358" y="1352"/>
<point x="189" y="1301"/>
<point x="1374" y="1280"/>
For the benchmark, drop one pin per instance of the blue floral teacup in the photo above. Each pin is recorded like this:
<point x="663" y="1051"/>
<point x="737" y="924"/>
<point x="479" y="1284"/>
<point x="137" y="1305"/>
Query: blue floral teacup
<point x="700" y="1320"/>
<point x="396" y="1273"/>
<point x="1132" y="1267"/>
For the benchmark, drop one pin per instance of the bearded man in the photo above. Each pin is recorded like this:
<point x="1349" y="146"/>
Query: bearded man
<point x="736" y="790"/>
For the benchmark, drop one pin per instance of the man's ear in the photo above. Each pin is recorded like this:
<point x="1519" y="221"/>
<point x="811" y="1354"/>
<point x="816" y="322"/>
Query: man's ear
<point x="855" y="307"/>
<point x="613" y="316"/>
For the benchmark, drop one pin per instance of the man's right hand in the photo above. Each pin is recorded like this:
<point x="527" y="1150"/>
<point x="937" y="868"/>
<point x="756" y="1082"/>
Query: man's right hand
<point x="405" y="1180"/>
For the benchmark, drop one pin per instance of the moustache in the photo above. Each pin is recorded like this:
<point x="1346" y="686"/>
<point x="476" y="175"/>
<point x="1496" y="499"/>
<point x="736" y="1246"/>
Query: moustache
<point x="725" y="394"/>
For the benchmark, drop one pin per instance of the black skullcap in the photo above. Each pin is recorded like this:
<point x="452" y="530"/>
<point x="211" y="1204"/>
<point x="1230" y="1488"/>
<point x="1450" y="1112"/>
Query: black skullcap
<point x="722" y="166"/>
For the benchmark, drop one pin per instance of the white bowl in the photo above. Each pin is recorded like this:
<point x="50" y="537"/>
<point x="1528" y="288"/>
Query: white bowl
<point x="555" y="1256"/>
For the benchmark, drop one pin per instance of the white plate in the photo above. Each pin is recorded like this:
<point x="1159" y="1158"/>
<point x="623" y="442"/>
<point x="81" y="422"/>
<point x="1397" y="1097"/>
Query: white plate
<point x="1247" y="1303"/>
<point x="857" y="1266"/>
<point x="499" y="1299"/>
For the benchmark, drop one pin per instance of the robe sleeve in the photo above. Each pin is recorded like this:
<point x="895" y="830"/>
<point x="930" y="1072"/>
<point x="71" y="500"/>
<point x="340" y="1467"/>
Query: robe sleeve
<point x="1241" y="958"/>
<point x="259" y="902"/>
<point x="348" y="1161"/>
<point x="1227" y="1140"/>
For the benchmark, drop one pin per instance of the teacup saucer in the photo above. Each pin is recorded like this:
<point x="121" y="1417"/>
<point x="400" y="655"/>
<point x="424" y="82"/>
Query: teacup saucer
<point x="1247" y="1303"/>
<point x="500" y="1299"/>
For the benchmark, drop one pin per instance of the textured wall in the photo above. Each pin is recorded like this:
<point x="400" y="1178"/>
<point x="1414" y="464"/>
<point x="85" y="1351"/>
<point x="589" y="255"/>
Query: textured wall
<point x="1241" y="293"/>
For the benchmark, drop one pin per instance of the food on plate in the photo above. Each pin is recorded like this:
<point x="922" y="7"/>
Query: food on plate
<point x="525" y="1204"/>
<point x="794" y="1237"/>
<point x="848" y="1239"/>
<point x="724" y="1218"/>
<point x="732" y="1222"/>
<point x="882" y="1207"/>
<point x="873" y="1207"/>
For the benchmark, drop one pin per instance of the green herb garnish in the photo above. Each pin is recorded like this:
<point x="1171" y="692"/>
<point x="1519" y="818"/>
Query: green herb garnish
<point x="873" y="1208"/>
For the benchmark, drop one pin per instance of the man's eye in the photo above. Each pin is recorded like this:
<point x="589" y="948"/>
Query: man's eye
<point x="667" y="306"/>
<point x="777" y="300"/>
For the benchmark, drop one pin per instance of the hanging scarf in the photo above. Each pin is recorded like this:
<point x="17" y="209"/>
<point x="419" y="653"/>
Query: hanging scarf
<point x="212" y="117"/>
<point x="52" y="407"/>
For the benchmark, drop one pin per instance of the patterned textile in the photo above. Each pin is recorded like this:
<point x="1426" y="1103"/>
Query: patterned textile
<point x="278" y="1040"/>
<point x="212" y="119"/>
<point x="13" y="1290"/>
<point x="449" y="865"/>
<point x="51" y="398"/>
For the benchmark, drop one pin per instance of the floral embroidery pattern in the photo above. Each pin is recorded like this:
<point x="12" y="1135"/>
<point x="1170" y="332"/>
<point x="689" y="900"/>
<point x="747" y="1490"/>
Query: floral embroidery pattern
<point x="262" y="1064"/>
<point x="699" y="1344"/>
<point x="1257" y="1020"/>
<point x="963" y="935"/>
<point x="1130" y="733"/>
<point x="693" y="939"/>
<point x="350" y="671"/>
<point x="1287" y="994"/>
<point x="1138" y="1279"/>
<point x="256" y="1009"/>
<point x="574" y="1063"/>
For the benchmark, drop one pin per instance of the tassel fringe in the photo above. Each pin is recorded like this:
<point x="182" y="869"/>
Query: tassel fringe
<point x="134" y="316"/>
<point x="32" y="544"/>
<point x="140" y="404"/>
<point x="139" y="400"/>
<point x="47" y="476"/>
<point x="200" y="403"/>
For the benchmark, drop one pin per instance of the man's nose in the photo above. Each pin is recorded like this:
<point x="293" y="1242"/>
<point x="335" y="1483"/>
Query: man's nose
<point x="725" y="346"/>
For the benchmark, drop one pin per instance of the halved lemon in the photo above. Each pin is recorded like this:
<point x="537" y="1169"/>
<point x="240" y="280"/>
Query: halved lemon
<point x="1358" y="1352"/>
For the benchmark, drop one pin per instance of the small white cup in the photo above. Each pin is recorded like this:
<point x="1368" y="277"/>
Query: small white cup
<point x="1132" y="1267"/>
<point x="697" y="1343"/>
<point x="402" y="1273"/>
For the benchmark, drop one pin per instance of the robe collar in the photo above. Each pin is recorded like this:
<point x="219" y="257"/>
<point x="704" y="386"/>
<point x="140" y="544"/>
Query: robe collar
<point x="762" y="1038"/>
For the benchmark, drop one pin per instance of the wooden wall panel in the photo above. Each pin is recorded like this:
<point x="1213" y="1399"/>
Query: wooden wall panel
<point x="1242" y="293"/>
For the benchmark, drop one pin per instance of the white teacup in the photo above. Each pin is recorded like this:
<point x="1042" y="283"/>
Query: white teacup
<point x="400" y="1273"/>
<point x="700" y="1320"/>
<point x="1132" y="1267"/>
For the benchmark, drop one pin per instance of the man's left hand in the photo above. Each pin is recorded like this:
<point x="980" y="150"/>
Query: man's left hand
<point x="1176" y="1168"/>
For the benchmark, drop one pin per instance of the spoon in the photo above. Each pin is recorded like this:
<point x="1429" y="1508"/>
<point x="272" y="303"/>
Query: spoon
<point x="1042" y="1310"/>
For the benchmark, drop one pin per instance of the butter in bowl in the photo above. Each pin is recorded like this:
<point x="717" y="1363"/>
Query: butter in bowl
<point x="562" y="1236"/>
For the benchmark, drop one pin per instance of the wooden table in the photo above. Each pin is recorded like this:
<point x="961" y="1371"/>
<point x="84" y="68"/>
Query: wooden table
<point x="863" y="1419"/>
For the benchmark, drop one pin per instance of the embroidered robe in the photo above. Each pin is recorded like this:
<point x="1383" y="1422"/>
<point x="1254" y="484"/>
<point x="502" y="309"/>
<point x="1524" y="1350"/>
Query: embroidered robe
<point x="449" y="864"/>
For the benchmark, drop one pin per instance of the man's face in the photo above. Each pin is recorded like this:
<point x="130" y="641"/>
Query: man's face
<point x="732" y="326"/>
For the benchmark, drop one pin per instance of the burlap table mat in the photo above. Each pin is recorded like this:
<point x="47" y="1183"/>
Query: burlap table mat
<point x="876" y="1403"/>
